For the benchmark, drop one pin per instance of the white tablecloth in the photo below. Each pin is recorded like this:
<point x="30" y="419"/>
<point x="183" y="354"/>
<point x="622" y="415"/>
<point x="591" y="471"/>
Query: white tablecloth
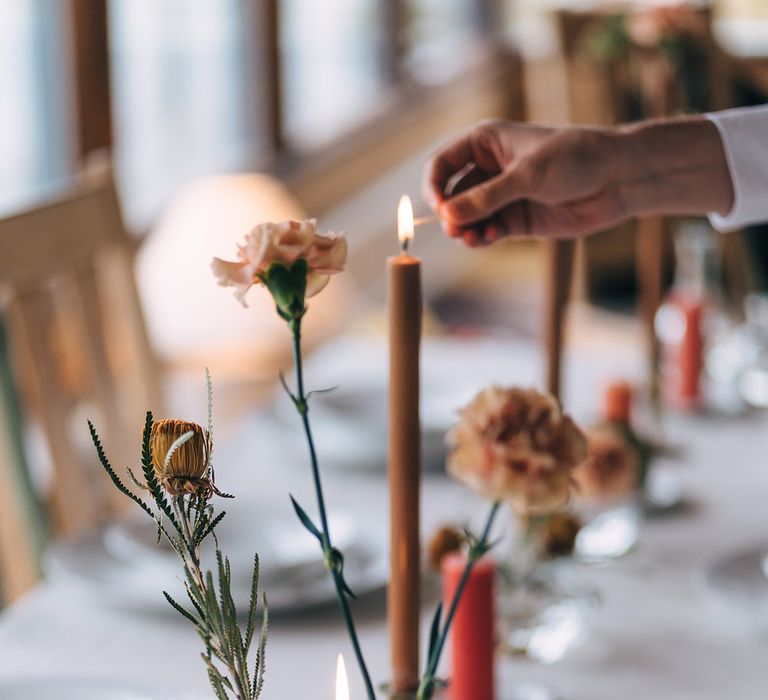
<point x="657" y="635"/>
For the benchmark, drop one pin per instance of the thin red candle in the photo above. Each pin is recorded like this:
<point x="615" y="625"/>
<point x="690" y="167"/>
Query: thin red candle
<point x="473" y="634"/>
<point x="683" y="350"/>
<point x="617" y="402"/>
<point x="691" y="351"/>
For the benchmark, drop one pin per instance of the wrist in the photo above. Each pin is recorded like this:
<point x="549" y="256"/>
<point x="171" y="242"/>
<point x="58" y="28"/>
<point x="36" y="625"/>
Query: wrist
<point x="675" y="167"/>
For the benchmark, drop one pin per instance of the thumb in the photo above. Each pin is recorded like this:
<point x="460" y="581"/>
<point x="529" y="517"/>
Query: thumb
<point x="485" y="199"/>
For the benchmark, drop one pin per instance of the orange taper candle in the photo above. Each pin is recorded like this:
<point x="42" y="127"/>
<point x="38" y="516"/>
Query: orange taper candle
<point x="404" y="301"/>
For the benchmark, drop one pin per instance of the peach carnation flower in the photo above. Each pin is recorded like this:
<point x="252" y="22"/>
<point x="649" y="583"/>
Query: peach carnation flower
<point x="516" y="445"/>
<point x="283" y="243"/>
<point x="610" y="473"/>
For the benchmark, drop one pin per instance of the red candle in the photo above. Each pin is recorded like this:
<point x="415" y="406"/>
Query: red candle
<point x="683" y="348"/>
<point x="473" y="634"/>
<point x="691" y="350"/>
<point x="617" y="402"/>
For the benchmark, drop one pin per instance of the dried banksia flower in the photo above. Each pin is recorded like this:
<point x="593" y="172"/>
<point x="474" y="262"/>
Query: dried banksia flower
<point x="181" y="466"/>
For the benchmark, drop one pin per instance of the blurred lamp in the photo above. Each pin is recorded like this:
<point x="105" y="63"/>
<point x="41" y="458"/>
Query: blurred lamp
<point x="192" y="321"/>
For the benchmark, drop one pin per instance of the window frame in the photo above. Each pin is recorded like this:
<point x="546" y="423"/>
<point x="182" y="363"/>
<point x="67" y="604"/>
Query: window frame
<point x="401" y="108"/>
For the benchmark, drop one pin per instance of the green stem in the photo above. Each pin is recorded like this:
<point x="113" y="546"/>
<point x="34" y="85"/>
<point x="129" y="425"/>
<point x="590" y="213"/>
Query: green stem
<point x="476" y="552"/>
<point x="302" y="407"/>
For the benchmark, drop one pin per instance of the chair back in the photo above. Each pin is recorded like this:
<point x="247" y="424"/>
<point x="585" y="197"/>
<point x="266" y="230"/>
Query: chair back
<point x="79" y="348"/>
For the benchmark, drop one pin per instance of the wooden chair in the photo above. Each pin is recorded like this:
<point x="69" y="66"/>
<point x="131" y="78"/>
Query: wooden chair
<point x="607" y="93"/>
<point x="66" y="274"/>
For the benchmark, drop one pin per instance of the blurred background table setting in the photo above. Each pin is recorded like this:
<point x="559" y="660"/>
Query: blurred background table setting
<point x="143" y="138"/>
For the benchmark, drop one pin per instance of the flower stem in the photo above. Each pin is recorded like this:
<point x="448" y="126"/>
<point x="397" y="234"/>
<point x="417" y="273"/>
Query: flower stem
<point x="476" y="552"/>
<point x="300" y="401"/>
<point x="238" y="675"/>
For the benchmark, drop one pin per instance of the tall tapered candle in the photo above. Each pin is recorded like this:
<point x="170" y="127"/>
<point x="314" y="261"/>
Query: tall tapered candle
<point x="404" y="301"/>
<point x="560" y="274"/>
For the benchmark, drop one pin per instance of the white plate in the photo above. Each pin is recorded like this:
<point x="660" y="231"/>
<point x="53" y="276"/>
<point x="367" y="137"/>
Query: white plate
<point x="284" y="550"/>
<point x="93" y="565"/>
<point x="82" y="689"/>
<point x="740" y="581"/>
<point x="350" y="424"/>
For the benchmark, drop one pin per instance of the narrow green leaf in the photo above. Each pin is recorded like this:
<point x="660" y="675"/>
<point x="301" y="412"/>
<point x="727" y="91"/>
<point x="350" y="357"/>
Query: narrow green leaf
<point x="305" y="520"/>
<point x="216" y="681"/>
<point x="345" y="586"/>
<point x="113" y="475"/>
<point x="149" y="475"/>
<point x="195" y="603"/>
<point x="253" y="603"/>
<point x="211" y="527"/>
<point x="181" y="610"/>
<point x="212" y="607"/>
<point x="434" y="631"/>
<point x="286" y="388"/>
<point x="261" y="653"/>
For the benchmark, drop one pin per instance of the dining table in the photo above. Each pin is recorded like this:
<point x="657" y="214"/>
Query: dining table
<point x="658" y="633"/>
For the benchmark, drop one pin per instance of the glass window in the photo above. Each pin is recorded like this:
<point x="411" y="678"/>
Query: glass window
<point x="34" y="129"/>
<point x="182" y="95"/>
<point x="331" y="66"/>
<point x="443" y="38"/>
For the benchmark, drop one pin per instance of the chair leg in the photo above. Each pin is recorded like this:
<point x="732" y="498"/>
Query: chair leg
<point x="75" y="501"/>
<point x="22" y="526"/>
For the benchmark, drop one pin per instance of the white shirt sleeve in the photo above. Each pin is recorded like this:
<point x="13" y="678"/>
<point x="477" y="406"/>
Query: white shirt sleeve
<point x="744" y="133"/>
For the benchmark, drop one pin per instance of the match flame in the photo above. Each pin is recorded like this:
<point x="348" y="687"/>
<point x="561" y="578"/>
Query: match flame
<point x="405" y="221"/>
<point x="342" y="684"/>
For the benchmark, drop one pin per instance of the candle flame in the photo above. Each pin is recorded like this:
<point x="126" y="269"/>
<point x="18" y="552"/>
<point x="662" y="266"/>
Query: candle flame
<point x="342" y="684"/>
<point x="405" y="221"/>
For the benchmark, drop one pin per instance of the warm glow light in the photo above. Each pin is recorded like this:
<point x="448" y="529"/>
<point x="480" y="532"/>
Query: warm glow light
<point x="342" y="684"/>
<point x="405" y="221"/>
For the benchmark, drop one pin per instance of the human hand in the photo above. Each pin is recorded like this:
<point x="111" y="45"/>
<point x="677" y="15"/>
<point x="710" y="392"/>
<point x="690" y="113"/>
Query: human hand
<point x="505" y="179"/>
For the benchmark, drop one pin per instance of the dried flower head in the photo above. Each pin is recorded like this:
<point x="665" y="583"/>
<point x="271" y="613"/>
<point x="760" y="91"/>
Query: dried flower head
<point x="277" y="248"/>
<point x="610" y="473"/>
<point x="180" y="457"/>
<point x="558" y="534"/>
<point x="516" y="445"/>
<point x="649" y="27"/>
<point x="444" y="541"/>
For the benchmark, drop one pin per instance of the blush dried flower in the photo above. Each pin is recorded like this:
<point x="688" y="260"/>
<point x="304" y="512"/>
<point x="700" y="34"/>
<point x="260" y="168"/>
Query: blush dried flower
<point x="281" y="245"/>
<point x="611" y="471"/>
<point x="516" y="445"/>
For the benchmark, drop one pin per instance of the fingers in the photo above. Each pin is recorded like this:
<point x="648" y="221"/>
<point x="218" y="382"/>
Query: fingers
<point x="478" y="235"/>
<point x="486" y="198"/>
<point x="443" y="166"/>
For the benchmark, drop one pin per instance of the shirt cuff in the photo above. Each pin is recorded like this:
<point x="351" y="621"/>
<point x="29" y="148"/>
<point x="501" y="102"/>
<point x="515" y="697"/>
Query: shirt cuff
<point x="744" y="134"/>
